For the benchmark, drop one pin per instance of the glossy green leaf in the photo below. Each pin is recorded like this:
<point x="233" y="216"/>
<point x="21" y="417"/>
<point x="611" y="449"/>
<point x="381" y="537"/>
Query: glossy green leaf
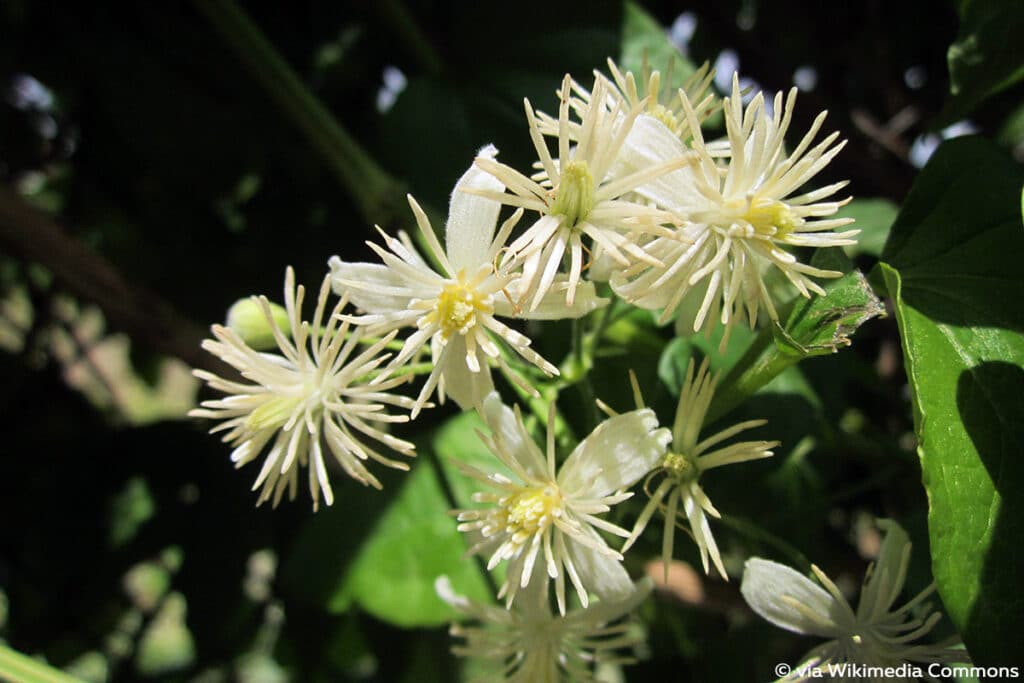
<point x="952" y="267"/>
<point x="413" y="543"/>
<point x="988" y="54"/>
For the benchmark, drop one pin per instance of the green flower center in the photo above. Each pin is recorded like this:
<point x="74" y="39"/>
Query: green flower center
<point x="682" y="467"/>
<point x="574" y="197"/>
<point x="770" y="218"/>
<point x="274" y="412"/>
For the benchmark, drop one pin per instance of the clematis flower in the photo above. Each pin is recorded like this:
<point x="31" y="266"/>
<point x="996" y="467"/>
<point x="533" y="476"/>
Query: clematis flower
<point x="679" y="493"/>
<point x="533" y="645"/>
<point x="873" y="635"/>
<point x="542" y="516"/>
<point x="736" y="221"/>
<point x="456" y="310"/>
<point x="576" y="196"/>
<point x="316" y="390"/>
<point x="650" y="93"/>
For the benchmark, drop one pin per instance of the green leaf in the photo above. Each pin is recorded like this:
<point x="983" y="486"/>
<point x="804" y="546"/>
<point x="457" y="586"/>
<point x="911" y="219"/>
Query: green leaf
<point x="416" y="540"/>
<point x="824" y="324"/>
<point x="414" y="543"/>
<point x="644" y="38"/>
<point x="988" y="54"/>
<point x="952" y="266"/>
<point x="874" y="218"/>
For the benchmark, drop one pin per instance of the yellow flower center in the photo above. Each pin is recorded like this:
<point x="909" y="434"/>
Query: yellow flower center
<point x="531" y="511"/>
<point x="574" y="197"/>
<point x="666" y="116"/>
<point x="770" y="218"/>
<point x="681" y="466"/>
<point x="457" y="308"/>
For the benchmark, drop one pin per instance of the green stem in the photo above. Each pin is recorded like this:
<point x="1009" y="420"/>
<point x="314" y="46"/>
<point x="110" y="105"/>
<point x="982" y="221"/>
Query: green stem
<point x="762" y="363"/>
<point x="375" y="192"/>
<point x="414" y="369"/>
<point x="393" y="345"/>
<point x="583" y="360"/>
<point x="19" y="668"/>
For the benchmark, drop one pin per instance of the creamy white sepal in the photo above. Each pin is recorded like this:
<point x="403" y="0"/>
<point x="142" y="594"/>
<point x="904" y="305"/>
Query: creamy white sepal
<point x="771" y="589"/>
<point x="601" y="573"/>
<point x="648" y="144"/>
<point x="471" y="217"/>
<point x="381" y="289"/>
<point x="620" y="451"/>
<point x="552" y="305"/>
<point x="511" y="437"/>
<point x="467" y="388"/>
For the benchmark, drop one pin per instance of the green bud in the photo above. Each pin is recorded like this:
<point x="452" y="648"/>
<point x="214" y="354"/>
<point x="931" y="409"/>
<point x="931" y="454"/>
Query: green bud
<point x="247" y="319"/>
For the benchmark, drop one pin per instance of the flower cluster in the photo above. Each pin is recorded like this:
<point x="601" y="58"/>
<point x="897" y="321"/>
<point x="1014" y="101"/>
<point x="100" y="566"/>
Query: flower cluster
<point x="630" y="203"/>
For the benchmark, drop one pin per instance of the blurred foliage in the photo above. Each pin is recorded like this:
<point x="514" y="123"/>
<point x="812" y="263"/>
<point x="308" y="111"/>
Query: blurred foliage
<point x="988" y="54"/>
<point x="132" y="551"/>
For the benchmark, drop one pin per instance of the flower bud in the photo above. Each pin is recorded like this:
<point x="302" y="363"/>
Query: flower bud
<point x="247" y="319"/>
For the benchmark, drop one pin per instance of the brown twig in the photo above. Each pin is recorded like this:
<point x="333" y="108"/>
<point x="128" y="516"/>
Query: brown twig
<point x="142" y="314"/>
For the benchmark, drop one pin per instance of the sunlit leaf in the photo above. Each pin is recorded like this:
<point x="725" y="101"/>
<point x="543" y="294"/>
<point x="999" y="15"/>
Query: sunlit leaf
<point x="416" y="540"/>
<point x="952" y="267"/>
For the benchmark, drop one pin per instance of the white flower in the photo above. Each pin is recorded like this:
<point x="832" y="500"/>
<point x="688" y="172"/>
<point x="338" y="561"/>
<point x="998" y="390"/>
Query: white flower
<point x="737" y="221"/>
<point x="654" y="96"/>
<point x="667" y="105"/>
<point x="577" y="197"/>
<point x="540" y="516"/>
<point x="680" y="494"/>
<point x="533" y="645"/>
<point x="873" y="635"/>
<point x="457" y="309"/>
<point x="311" y="393"/>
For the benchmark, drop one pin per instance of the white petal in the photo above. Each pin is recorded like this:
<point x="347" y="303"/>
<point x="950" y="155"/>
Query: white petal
<point x="620" y="451"/>
<point x="552" y="305"/>
<point x="471" y="218"/>
<point x="510" y="437"/>
<point x="598" y="572"/>
<point x="378" y="290"/>
<point x="465" y="387"/>
<point x="765" y="583"/>
<point x="650" y="142"/>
